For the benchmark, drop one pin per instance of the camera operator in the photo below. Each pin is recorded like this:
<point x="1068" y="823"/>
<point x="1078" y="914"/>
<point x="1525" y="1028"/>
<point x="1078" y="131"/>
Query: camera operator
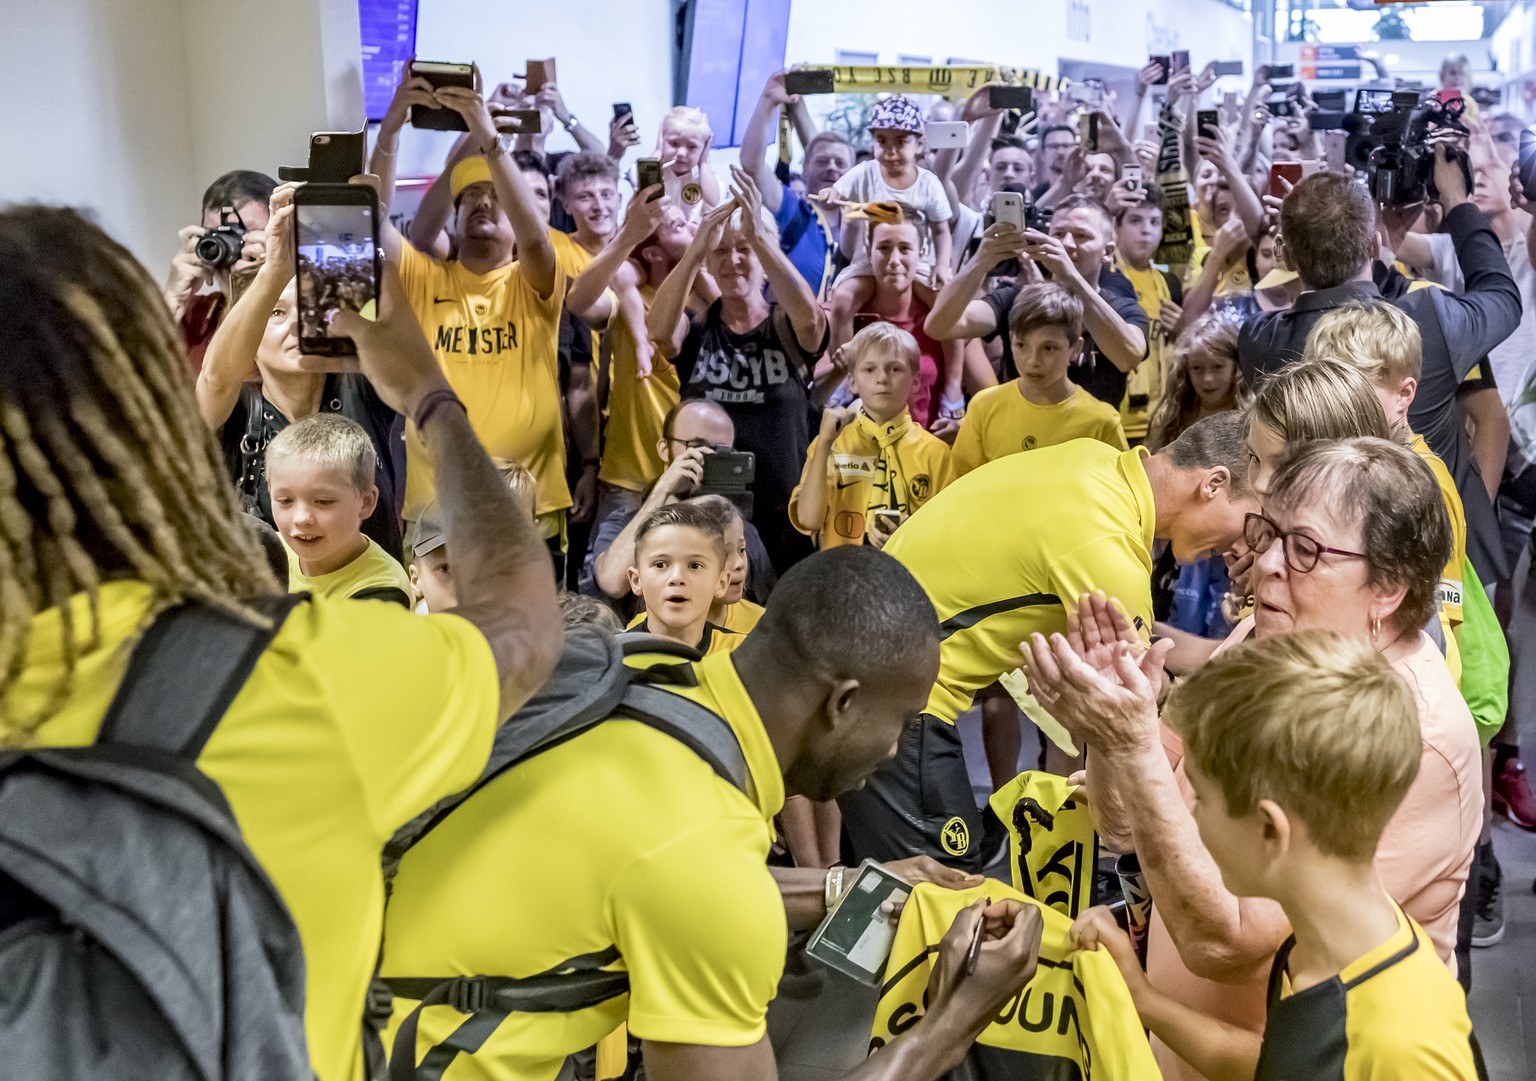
<point x="197" y="290"/>
<point x="1074" y="254"/>
<point x="1328" y="225"/>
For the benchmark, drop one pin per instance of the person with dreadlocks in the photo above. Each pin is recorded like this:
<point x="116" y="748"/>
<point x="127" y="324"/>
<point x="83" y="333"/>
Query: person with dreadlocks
<point x="114" y="508"/>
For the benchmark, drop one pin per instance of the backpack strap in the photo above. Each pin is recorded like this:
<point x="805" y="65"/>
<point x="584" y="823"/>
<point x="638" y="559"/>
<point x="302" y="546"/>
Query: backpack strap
<point x="184" y="673"/>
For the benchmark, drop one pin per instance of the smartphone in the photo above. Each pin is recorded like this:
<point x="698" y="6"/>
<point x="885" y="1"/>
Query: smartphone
<point x="1280" y="71"/>
<point x="1164" y="63"/>
<point x="623" y="109"/>
<point x="1280" y="105"/>
<point x="647" y="173"/>
<point x="727" y="471"/>
<point x="337" y="261"/>
<point x="888" y="520"/>
<point x="945" y="134"/>
<point x="1008" y="208"/>
<point x="1206" y="123"/>
<point x="857" y="935"/>
<point x="1021" y="98"/>
<point x="1131" y="175"/>
<point x="1310" y="168"/>
<point x="434" y="118"/>
<point x="1527" y="160"/>
<point x="809" y="81"/>
<point x="520" y="122"/>
<point x="335" y="157"/>
<point x="1088" y="132"/>
<point x="1290" y="171"/>
<point x="1335" y="144"/>
<point x="1179" y="59"/>
<point x="1151" y="134"/>
<point x="539" y="73"/>
<point x="1227" y="67"/>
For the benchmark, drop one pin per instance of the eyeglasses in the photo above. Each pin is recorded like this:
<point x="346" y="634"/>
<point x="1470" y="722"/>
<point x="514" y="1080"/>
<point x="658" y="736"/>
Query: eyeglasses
<point x="1301" y="551"/>
<point x="694" y="444"/>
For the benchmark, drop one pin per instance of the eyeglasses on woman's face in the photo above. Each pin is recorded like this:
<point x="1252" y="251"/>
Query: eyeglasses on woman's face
<point x="1302" y="553"/>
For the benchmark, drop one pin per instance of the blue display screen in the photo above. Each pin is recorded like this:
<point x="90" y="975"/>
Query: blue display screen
<point x="389" y="40"/>
<point x="733" y="46"/>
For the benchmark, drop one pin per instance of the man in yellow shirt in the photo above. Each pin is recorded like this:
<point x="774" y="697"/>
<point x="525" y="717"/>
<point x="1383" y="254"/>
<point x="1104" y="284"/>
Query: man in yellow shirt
<point x="999" y="551"/>
<point x="664" y="879"/>
<point x="357" y="716"/>
<point x="492" y="322"/>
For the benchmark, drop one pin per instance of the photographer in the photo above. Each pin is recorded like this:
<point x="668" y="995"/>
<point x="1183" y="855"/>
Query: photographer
<point x="1074" y="256"/>
<point x="197" y="290"/>
<point x="1329" y="226"/>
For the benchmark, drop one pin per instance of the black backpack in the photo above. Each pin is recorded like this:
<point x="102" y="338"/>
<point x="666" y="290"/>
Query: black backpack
<point x="139" y="938"/>
<point x="591" y="684"/>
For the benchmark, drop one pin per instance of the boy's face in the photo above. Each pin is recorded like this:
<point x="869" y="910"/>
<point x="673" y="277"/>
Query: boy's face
<point x="1010" y="165"/>
<point x="896" y="151"/>
<point x="736" y="560"/>
<point x="682" y="149"/>
<point x="1396" y="397"/>
<point x="1139" y="233"/>
<point x="594" y="202"/>
<point x="1243" y="848"/>
<point x="882" y="379"/>
<point x="680" y="573"/>
<point x="1043" y="354"/>
<point x="317" y="510"/>
<point x="432" y="579"/>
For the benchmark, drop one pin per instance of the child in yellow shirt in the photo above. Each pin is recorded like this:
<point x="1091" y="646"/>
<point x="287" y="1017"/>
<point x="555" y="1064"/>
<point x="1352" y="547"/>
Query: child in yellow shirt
<point x="871" y="467"/>
<point x="1042" y="407"/>
<point x="320" y="473"/>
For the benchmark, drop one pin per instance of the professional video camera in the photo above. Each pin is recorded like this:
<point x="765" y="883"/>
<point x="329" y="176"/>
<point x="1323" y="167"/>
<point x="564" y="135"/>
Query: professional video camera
<point x="1397" y="152"/>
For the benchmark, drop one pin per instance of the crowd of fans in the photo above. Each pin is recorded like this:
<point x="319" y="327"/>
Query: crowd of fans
<point x="1211" y="479"/>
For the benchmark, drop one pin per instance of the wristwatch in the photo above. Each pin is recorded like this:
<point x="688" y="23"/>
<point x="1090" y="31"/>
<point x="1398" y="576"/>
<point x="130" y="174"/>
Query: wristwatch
<point x="571" y="123"/>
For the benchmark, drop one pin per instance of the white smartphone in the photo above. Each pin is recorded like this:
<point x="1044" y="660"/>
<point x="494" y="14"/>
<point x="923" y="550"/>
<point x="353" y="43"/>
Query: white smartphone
<point x="945" y="134"/>
<point x="1008" y="208"/>
<point x="1131" y="174"/>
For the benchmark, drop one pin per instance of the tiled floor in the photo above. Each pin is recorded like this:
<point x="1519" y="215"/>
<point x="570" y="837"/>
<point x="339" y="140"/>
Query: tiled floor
<point x="820" y="1033"/>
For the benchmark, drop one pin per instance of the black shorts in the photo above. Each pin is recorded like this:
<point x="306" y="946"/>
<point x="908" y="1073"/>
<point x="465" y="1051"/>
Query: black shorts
<point x="918" y="804"/>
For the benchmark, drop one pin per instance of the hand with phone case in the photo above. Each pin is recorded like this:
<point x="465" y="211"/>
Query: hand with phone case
<point x="622" y="132"/>
<point x="440" y="76"/>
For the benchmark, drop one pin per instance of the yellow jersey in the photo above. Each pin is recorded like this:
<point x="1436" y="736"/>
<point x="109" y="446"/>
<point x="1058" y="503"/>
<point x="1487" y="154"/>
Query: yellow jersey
<point x="589" y="855"/>
<point x="373" y="575"/>
<point x="636" y="408"/>
<point x="1395" y="1012"/>
<point x="1000" y="421"/>
<point x="1002" y="550"/>
<point x="357" y="718"/>
<point x="893" y="466"/>
<point x="742" y="616"/>
<point x="497" y="341"/>
<point x="1451" y="578"/>
<point x="1144" y="386"/>
<point x="716" y="639"/>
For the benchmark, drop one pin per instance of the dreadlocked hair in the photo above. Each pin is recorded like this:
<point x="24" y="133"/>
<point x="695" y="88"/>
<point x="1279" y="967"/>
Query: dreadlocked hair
<point x="106" y="469"/>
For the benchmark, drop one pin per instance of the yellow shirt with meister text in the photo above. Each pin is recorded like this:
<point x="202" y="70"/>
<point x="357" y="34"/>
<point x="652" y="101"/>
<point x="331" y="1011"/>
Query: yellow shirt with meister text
<point x="497" y="341"/>
<point x="892" y="466"/>
<point x="1000" y="421"/>
<point x="594" y="854"/>
<point x="1003" y="550"/>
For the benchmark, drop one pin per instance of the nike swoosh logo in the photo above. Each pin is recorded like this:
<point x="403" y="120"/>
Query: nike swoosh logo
<point x="442" y="300"/>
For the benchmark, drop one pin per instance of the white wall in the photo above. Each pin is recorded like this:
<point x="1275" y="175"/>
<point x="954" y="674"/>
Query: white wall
<point x="605" y="51"/>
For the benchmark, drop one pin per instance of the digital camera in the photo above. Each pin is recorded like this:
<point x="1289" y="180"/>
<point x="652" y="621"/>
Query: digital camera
<point x="220" y="248"/>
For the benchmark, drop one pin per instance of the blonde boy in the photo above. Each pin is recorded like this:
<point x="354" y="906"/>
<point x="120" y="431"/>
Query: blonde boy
<point x="870" y="468"/>
<point x="682" y="144"/>
<point x="1042" y="407"/>
<point x="680" y="571"/>
<point x="320" y="473"/>
<point x="1299" y="749"/>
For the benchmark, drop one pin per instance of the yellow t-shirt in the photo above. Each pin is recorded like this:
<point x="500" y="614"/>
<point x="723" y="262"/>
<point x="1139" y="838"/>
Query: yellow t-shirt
<point x="636" y="409"/>
<point x="374" y="571"/>
<point x="593" y="850"/>
<point x="1144" y="386"/>
<point x="1395" y="1012"/>
<point x="498" y="343"/>
<point x="1000" y="421"/>
<point x="1003" y="549"/>
<point x="717" y="639"/>
<point x="1449" y="590"/>
<point x="742" y="616"/>
<point x="357" y="718"/>
<point x="892" y="466"/>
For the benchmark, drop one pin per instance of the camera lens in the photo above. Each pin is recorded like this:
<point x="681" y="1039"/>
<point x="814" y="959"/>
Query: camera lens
<point x="220" y="248"/>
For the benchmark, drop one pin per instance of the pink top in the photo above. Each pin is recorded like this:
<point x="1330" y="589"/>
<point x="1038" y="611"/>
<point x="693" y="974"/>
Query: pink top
<point x="1423" y="858"/>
